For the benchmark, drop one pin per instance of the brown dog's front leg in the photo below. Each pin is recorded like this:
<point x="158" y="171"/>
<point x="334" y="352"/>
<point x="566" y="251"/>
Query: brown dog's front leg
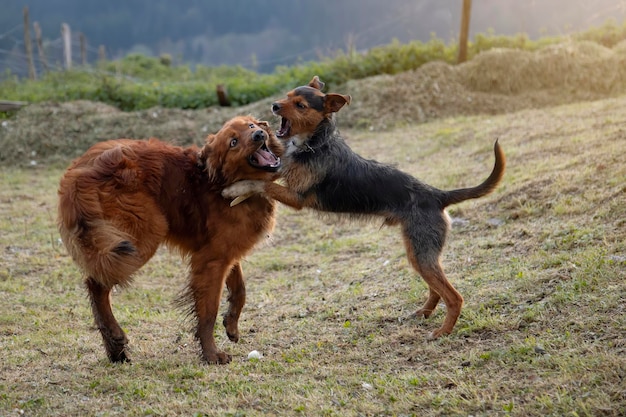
<point x="207" y="282"/>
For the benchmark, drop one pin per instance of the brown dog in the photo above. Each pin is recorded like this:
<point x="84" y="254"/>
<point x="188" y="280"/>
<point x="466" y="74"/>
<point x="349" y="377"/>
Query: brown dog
<point x="123" y="198"/>
<point x="321" y="172"/>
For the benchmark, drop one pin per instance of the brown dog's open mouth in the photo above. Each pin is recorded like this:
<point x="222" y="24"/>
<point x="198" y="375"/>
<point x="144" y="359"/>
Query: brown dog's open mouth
<point x="285" y="128"/>
<point x="263" y="158"/>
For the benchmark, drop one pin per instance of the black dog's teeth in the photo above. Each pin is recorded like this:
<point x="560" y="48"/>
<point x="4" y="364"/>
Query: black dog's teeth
<point x="284" y="127"/>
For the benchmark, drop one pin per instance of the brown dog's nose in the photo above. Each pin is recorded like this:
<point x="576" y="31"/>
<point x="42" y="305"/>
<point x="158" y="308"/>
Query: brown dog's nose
<point x="275" y="107"/>
<point x="258" y="136"/>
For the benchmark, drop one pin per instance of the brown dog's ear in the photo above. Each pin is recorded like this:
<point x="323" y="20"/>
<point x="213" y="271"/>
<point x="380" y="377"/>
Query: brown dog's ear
<point x="209" y="166"/>
<point x="206" y="149"/>
<point x="334" y="102"/>
<point x="316" y="83"/>
<point x="272" y="142"/>
<point x="265" y="126"/>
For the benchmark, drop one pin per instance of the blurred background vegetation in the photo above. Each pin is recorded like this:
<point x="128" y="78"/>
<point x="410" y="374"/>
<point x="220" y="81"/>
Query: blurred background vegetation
<point x="175" y="55"/>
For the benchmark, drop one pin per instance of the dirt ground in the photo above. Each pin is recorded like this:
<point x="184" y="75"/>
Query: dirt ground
<point x="495" y="82"/>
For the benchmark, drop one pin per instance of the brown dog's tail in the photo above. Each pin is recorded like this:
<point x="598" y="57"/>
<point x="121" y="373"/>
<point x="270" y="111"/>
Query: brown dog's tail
<point x="456" y="196"/>
<point x="103" y="251"/>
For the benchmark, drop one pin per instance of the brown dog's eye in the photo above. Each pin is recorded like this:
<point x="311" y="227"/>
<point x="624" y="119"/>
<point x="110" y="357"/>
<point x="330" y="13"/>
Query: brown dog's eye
<point x="300" y="105"/>
<point x="233" y="142"/>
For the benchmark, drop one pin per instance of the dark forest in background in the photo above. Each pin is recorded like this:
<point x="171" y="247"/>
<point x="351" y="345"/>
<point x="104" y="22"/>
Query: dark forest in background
<point x="263" y="34"/>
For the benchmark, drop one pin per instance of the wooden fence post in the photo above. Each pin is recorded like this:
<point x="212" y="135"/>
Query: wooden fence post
<point x="465" y="22"/>
<point x="222" y="95"/>
<point x="39" y="42"/>
<point x="67" y="45"/>
<point x="32" y="74"/>
<point x="83" y="49"/>
<point x="102" y="53"/>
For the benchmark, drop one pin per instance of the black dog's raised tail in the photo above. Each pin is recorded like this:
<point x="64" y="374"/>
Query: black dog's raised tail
<point x="486" y="187"/>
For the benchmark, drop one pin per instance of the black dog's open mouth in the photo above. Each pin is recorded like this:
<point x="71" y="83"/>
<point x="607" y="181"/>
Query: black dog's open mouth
<point x="263" y="158"/>
<point x="285" y="128"/>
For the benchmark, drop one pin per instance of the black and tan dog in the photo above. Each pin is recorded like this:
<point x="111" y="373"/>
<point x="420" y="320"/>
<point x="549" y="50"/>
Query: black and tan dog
<point x="321" y="172"/>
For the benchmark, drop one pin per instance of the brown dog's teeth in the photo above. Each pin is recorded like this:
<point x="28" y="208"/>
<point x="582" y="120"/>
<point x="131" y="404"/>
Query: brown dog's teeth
<point x="263" y="157"/>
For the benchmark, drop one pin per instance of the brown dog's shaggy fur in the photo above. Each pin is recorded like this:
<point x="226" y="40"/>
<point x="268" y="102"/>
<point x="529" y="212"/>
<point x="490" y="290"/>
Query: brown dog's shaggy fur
<point x="123" y="198"/>
<point x="321" y="172"/>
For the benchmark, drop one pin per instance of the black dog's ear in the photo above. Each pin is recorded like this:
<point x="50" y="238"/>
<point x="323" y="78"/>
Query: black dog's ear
<point x="334" y="102"/>
<point x="316" y="83"/>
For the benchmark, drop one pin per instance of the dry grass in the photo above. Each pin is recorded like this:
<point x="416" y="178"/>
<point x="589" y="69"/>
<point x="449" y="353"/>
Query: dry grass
<point x="541" y="264"/>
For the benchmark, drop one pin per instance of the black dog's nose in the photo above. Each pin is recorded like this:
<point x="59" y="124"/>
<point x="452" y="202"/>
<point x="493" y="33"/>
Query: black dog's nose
<point x="258" y="136"/>
<point x="275" y="107"/>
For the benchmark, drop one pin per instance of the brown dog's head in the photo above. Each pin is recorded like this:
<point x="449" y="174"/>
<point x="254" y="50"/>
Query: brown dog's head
<point x="243" y="149"/>
<point x="305" y="108"/>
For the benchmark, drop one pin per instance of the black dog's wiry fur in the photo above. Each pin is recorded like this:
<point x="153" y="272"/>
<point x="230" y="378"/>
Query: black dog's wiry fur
<point x="322" y="172"/>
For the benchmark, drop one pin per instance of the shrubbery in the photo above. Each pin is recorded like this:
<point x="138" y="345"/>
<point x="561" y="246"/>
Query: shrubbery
<point x="139" y="82"/>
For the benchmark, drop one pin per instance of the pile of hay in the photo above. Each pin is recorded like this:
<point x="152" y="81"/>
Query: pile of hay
<point x="585" y="66"/>
<point x="496" y="81"/>
<point x="433" y="91"/>
<point x="59" y="132"/>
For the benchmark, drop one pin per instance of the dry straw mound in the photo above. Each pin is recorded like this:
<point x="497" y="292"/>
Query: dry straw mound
<point x="496" y="81"/>
<point x="59" y="132"/>
<point x="434" y="90"/>
<point x="574" y="65"/>
<point x="505" y="71"/>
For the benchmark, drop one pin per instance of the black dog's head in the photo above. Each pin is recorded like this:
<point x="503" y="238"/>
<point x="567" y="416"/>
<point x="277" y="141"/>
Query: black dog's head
<point x="305" y="108"/>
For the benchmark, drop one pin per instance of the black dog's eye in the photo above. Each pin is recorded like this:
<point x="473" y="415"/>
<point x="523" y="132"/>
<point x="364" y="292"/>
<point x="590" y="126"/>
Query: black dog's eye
<point x="300" y="105"/>
<point x="233" y="142"/>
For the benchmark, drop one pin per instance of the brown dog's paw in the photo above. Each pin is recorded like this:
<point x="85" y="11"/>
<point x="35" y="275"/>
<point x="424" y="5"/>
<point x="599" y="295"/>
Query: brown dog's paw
<point x="217" y="358"/>
<point x="117" y="349"/>
<point x="120" y="357"/>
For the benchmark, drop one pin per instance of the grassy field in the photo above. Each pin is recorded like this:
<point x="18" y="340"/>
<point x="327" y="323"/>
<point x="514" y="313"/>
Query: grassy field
<point x="541" y="264"/>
